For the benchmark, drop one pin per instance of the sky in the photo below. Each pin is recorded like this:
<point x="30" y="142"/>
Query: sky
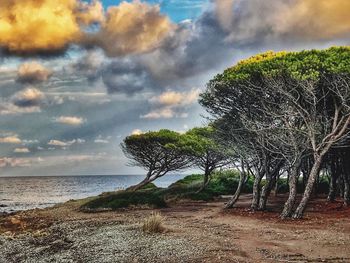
<point x="76" y="76"/>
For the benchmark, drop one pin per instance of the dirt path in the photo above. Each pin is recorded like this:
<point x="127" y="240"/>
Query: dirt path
<point x="197" y="232"/>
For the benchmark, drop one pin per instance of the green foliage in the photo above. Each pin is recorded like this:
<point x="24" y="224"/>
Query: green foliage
<point x="308" y="64"/>
<point x="221" y="183"/>
<point x="226" y="182"/>
<point x="124" y="199"/>
<point x="203" y="151"/>
<point x="159" y="152"/>
<point x="189" y="181"/>
<point x="149" y="186"/>
<point x="200" y="140"/>
<point x="322" y="187"/>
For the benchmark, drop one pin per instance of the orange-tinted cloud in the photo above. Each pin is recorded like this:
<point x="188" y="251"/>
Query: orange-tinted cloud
<point x="50" y="26"/>
<point x="316" y="19"/>
<point x="70" y="120"/>
<point x="32" y="72"/>
<point x="224" y="10"/>
<point x="171" y="104"/>
<point x="289" y="19"/>
<point x="28" y="98"/>
<point x="11" y="139"/>
<point x="134" y="27"/>
<point x="40" y="26"/>
<point x="174" y="98"/>
<point x="91" y="13"/>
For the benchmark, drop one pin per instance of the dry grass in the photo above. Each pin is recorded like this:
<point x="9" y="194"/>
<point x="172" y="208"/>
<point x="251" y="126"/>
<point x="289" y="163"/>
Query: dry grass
<point x="153" y="223"/>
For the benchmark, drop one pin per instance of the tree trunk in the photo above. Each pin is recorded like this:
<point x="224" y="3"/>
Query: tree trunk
<point x="234" y="199"/>
<point x="309" y="187"/>
<point x="341" y="186"/>
<point x="275" y="190"/>
<point x="144" y="182"/>
<point x="265" y="192"/>
<point x="293" y="181"/>
<point x="315" y="189"/>
<point x="256" y="190"/>
<point x="139" y="185"/>
<point x="270" y="182"/>
<point x="205" y="181"/>
<point x="346" y="190"/>
<point x="332" y="188"/>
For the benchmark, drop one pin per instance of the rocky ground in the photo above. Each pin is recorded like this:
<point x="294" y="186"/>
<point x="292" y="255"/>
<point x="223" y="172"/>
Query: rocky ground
<point x="195" y="232"/>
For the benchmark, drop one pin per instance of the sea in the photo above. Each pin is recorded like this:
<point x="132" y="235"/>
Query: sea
<point x="23" y="193"/>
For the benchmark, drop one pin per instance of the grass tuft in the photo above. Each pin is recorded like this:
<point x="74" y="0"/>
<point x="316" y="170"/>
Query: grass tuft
<point x="153" y="224"/>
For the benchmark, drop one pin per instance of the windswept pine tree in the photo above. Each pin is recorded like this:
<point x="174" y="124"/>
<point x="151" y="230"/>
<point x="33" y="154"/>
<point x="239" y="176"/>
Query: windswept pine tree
<point x="158" y="152"/>
<point x="298" y="106"/>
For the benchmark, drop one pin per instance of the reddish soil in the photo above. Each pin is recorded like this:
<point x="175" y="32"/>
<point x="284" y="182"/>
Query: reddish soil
<point x="235" y="235"/>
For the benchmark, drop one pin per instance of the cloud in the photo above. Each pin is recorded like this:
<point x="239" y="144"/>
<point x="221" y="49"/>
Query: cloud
<point x="33" y="72"/>
<point x="317" y="19"/>
<point x="224" y="11"/>
<point x="45" y="26"/>
<point x="194" y="49"/>
<point x="8" y="108"/>
<point x="172" y="104"/>
<point x="30" y="97"/>
<point x="174" y="98"/>
<point x="11" y="140"/>
<point x="164" y="113"/>
<point x="89" y="65"/>
<point x="65" y="143"/>
<point x="136" y="132"/>
<point x="21" y="150"/>
<point x="100" y="139"/>
<point x="29" y="100"/>
<point x="269" y="21"/>
<point x="126" y="76"/>
<point x="59" y="143"/>
<point x="15" y="162"/>
<point x="26" y="142"/>
<point x="131" y="28"/>
<point x="70" y="120"/>
<point x="91" y="13"/>
<point x="50" y="26"/>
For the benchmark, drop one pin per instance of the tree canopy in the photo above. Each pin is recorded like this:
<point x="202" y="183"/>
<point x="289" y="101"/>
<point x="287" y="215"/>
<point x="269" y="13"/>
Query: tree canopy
<point x="158" y="152"/>
<point x="205" y="152"/>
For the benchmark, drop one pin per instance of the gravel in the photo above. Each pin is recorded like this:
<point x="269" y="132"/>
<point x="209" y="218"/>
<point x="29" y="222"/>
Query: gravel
<point x="90" y="242"/>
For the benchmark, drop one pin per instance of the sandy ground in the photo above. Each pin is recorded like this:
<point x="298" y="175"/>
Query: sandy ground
<point x="196" y="232"/>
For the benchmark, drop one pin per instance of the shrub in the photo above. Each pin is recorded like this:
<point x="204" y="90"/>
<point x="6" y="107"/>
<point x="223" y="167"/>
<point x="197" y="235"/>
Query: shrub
<point x="153" y="224"/>
<point x="189" y="181"/>
<point x="124" y="199"/>
<point x="221" y="183"/>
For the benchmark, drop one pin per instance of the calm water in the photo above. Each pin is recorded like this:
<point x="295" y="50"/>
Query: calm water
<point x="20" y="193"/>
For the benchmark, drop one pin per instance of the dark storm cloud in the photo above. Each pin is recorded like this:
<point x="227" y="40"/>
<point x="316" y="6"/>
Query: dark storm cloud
<point x="192" y="50"/>
<point x="196" y="50"/>
<point x="126" y="76"/>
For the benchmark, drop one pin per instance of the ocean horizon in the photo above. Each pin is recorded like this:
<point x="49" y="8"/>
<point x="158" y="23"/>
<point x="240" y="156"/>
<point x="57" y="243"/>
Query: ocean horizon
<point x="28" y="192"/>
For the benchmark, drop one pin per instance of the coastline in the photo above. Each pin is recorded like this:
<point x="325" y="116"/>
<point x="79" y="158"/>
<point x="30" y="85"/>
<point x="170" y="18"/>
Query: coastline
<point x="196" y="231"/>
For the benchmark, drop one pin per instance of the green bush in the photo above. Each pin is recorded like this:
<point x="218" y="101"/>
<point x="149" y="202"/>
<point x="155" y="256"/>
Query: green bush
<point x="221" y="183"/>
<point x="322" y="187"/>
<point x="124" y="199"/>
<point x="194" y="180"/>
